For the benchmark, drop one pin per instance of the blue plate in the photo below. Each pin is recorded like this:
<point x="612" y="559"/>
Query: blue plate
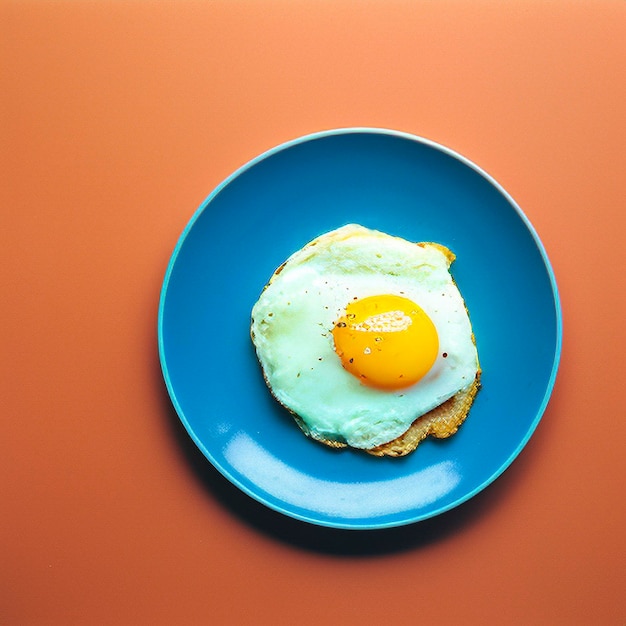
<point x="400" y="184"/>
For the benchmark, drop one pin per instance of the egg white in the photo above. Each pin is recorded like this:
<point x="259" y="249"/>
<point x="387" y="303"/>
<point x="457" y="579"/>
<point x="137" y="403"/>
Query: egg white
<point x="293" y="318"/>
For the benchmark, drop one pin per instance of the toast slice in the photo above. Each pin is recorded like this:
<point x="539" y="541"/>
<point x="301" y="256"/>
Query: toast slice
<point x="441" y="422"/>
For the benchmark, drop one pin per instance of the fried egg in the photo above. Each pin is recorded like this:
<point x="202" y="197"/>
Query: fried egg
<point x="359" y="333"/>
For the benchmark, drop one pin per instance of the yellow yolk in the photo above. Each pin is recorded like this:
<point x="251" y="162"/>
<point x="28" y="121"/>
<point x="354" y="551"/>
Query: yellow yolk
<point x="386" y="341"/>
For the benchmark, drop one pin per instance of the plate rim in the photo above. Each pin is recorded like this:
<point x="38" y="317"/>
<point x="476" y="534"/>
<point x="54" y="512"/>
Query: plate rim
<point x="342" y="523"/>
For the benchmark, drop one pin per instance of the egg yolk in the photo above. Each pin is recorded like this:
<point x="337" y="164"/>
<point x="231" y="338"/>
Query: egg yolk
<point x="386" y="341"/>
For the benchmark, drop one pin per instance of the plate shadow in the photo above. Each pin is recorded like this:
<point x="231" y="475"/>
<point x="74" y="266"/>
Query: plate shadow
<point x="333" y="541"/>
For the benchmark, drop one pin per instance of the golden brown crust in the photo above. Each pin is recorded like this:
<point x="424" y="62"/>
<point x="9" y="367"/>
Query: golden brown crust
<point x="445" y="251"/>
<point x="443" y="421"/>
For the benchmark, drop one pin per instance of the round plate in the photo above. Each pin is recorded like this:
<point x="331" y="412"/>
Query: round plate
<point x="400" y="184"/>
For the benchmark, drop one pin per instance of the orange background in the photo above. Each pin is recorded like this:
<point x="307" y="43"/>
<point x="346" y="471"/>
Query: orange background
<point x="117" y="119"/>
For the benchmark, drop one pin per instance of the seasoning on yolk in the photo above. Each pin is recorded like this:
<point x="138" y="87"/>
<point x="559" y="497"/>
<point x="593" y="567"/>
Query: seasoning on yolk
<point x="386" y="341"/>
